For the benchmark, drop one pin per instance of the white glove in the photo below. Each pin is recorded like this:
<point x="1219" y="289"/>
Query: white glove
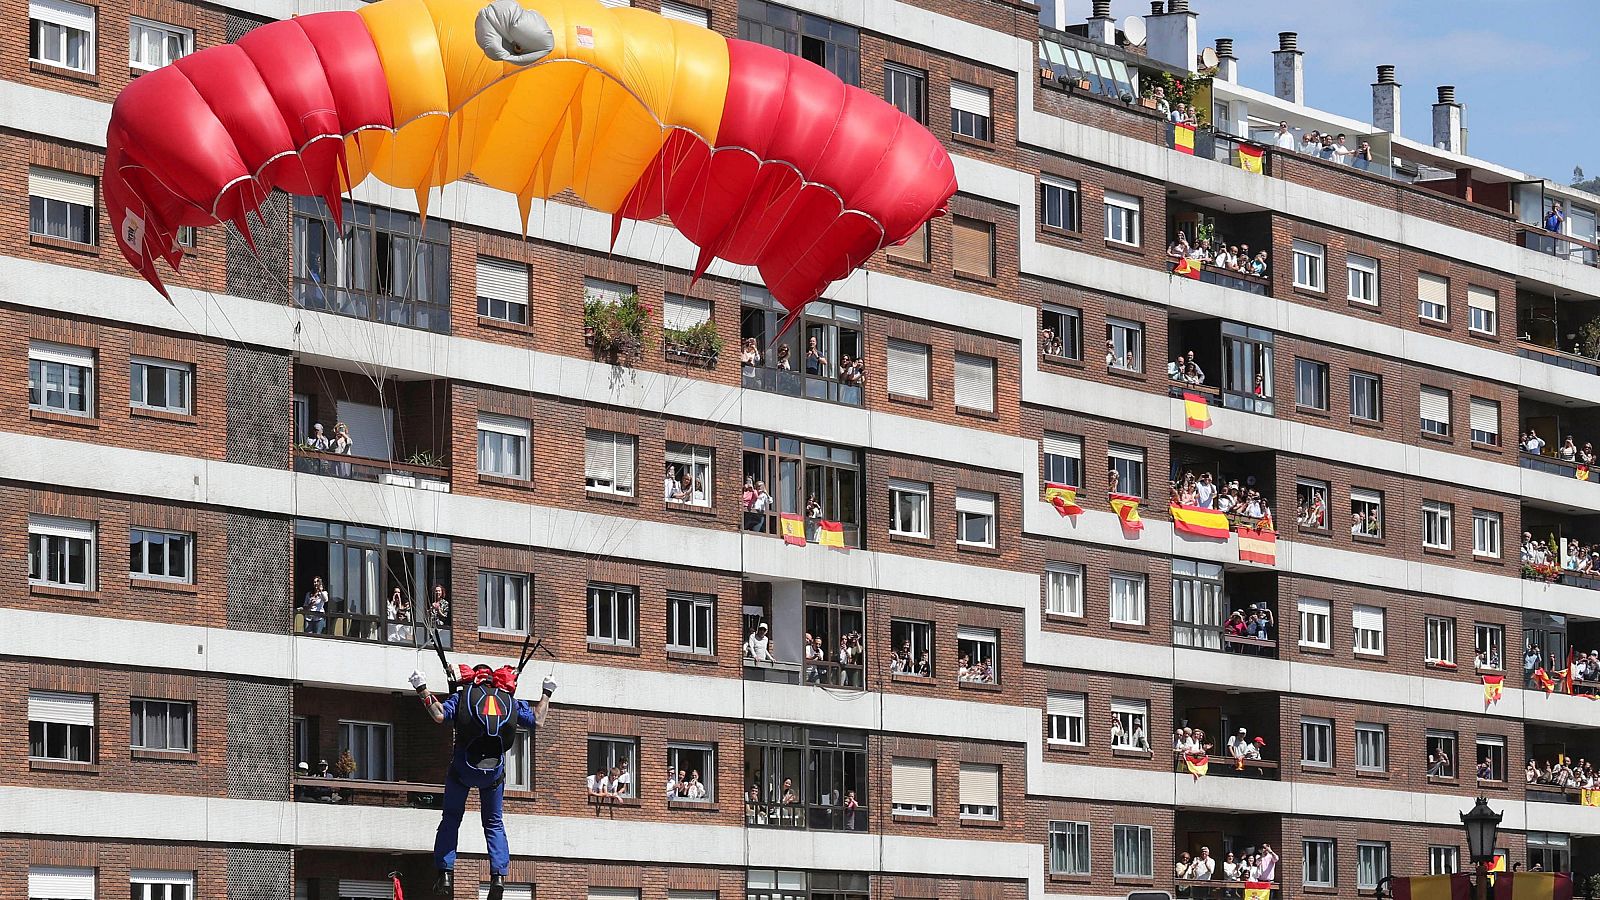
<point x="419" y="681"/>
<point x="549" y="684"/>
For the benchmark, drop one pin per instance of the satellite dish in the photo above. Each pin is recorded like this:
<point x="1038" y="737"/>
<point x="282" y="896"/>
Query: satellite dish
<point x="1208" y="58"/>
<point x="1133" y="30"/>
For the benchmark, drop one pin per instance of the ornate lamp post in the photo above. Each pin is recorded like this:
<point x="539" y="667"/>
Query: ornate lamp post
<point x="1481" y="824"/>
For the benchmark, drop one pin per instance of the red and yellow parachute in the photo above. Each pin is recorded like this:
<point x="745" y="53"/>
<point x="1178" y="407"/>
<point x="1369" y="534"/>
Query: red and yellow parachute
<point x="759" y="157"/>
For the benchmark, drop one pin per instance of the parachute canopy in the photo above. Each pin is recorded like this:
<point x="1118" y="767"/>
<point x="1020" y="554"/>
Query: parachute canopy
<point x="758" y="157"/>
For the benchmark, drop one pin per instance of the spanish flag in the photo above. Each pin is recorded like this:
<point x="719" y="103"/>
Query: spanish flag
<point x="1582" y="473"/>
<point x="1533" y="886"/>
<point x="1250" y="159"/>
<point x="1197" y="763"/>
<point x="793" y="528"/>
<point x="1183" y="138"/>
<point x="1498" y="864"/>
<point x="1492" y="686"/>
<point x="831" y="534"/>
<point x="1197" y="410"/>
<point x="1590" y="797"/>
<point x="1128" y="511"/>
<point x="1258" y="890"/>
<point x="1258" y="546"/>
<point x="1064" y="498"/>
<point x="1197" y="520"/>
<point x="1432" y="887"/>
<point x="1543" y="680"/>
<point x="1188" y="268"/>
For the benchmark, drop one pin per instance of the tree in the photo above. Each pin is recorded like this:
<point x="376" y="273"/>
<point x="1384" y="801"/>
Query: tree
<point x="1577" y="174"/>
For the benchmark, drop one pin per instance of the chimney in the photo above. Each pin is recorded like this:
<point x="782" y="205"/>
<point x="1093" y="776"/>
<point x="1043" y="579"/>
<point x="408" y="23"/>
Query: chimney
<point x="1172" y="36"/>
<point x="1053" y="14"/>
<point x="1288" y="69"/>
<point x="1386" y="101"/>
<point x="1447" y="120"/>
<point x="1102" y="28"/>
<point x="1227" y="63"/>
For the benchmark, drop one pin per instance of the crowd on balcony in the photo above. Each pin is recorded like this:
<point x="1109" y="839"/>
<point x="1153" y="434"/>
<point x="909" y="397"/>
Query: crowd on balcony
<point x="852" y="369"/>
<point x="1325" y="145"/>
<point x="1258" y="865"/>
<point x="1183" y="368"/>
<point x="1235" y="258"/>
<point x="615" y="783"/>
<point x="1564" y="772"/>
<point x="757" y="504"/>
<point x="1238" y="502"/>
<point x="1188" y="741"/>
<point x="1252" y="623"/>
<point x="339" y="444"/>
<point x="1568" y="451"/>
<point x="320" y="793"/>
<point x="400" y="619"/>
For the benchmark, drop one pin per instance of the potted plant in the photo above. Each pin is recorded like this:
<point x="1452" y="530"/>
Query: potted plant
<point x="616" y="328"/>
<point x="1589" y="338"/>
<point x="698" y="343"/>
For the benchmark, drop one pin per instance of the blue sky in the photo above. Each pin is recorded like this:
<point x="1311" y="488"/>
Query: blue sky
<point x="1526" y="70"/>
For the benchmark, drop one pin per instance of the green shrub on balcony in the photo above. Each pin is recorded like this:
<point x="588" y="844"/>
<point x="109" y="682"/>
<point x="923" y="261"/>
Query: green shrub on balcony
<point x="700" y="342"/>
<point x="616" y="327"/>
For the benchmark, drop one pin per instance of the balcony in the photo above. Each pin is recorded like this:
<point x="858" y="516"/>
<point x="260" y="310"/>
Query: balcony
<point x="377" y="585"/>
<point x="1219" y="146"/>
<point x="1232" y="249"/>
<point x="310" y="789"/>
<point x="383" y="266"/>
<point x="1562" y="246"/>
<point x="814" y="634"/>
<point x="812" y="779"/>
<point x="1559" y="330"/>
<point x="1226" y="718"/>
<point x="428" y="478"/>
<point x="803" y="481"/>
<point x="816" y="358"/>
<point x="1225" y="835"/>
<point x="1232" y="358"/>
<point x="390" y="431"/>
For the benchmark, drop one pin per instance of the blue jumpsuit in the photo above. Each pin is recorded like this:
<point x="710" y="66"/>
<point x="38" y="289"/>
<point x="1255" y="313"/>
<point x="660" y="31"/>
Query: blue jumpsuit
<point x="491" y="784"/>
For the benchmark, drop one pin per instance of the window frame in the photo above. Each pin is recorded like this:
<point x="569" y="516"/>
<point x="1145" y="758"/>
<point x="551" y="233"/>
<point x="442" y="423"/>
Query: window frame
<point x="1490" y="314"/>
<point x="1070" y="203"/>
<point x="64" y="356"/>
<point x="708" y="771"/>
<point x="1442" y="740"/>
<point x="1071" y="346"/>
<point x="140" y="710"/>
<point x="1361" y="647"/>
<point x="518" y="583"/>
<point x="922" y="635"/>
<point x="1316" y="734"/>
<point x="1369" y="856"/>
<point x="184" y="539"/>
<point x="1377" y="735"/>
<point x="1309" y="489"/>
<point x="599" y="594"/>
<point x="1071" y="457"/>
<point x="1134" y="469"/>
<point x="1487" y="534"/>
<point x="1496" y="745"/>
<point x="1423" y="305"/>
<point x="1067" y="720"/>
<point x="702" y="462"/>
<point x="1493" y="634"/>
<point x="160" y="885"/>
<point x="980" y="367"/>
<point x="594" y="482"/>
<point x="1441" y="515"/>
<point x="899" y="488"/>
<point x="1375" y="381"/>
<point x="1076" y="833"/>
<point x="91" y="35"/>
<point x="982" y="125"/>
<point x="974" y="501"/>
<point x="56" y="528"/>
<point x="924" y="811"/>
<point x="486" y="302"/>
<point x="1125" y="338"/>
<point x="981" y="812"/>
<point x="1477" y="435"/>
<point x="1373" y="502"/>
<point x="696" y="603"/>
<point x="1326" y="870"/>
<point x="184" y="35"/>
<point x="1142" y="838"/>
<point x="1070" y="577"/>
<point x="980" y="645"/>
<point x="75" y="735"/>
<point x="510" y="429"/>
<point x="1446" y="863"/>
<point x="184" y="371"/>
<point x="1129" y="713"/>
<point x="612" y="743"/>
<point x="348" y="728"/>
<point x="916" y="80"/>
<point x="1434" y="427"/>
<point x="1325" y="614"/>
<point x="1137" y="594"/>
<point x="1316" y="265"/>
<point x="1318" y="371"/>
<point x="1127" y="220"/>
<point x="985" y="230"/>
<point x="910" y="352"/>
<point x="1356" y="264"/>
<point x="1439" y="640"/>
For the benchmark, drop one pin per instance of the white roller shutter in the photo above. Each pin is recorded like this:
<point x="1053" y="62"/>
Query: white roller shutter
<point x="596" y="893"/>
<point x="1485" y="416"/>
<point x="975" y="502"/>
<point x="615" y="3"/>
<point x="1063" y="445"/>
<point x="354" y="889"/>
<point x="602" y="290"/>
<point x="1436" y="405"/>
<point x="980" y="785"/>
<point x="371" y="429"/>
<point x="912" y="782"/>
<point x="683" y="12"/>
<point x="1061" y="704"/>
<point x="907" y="371"/>
<point x="1367" y="618"/>
<point x="511" y="892"/>
<point x="67" y="528"/>
<point x="1433" y="289"/>
<point x="63" y="709"/>
<point x="54" y="184"/>
<point x="969" y="98"/>
<point x="502" y="280"/>
<point x="154" y="876"/>
<point x="505" y="425"/>
<point x="681" y="312"/>
<point x="600" y="456"/>
<point x="61" y="353"/>
<point x="60" y="883"/>
<point x="975" y="382"/>
<point x="1482" y="298"/>
<point x="1364" y="496"/>
<point x="974" y="634"/>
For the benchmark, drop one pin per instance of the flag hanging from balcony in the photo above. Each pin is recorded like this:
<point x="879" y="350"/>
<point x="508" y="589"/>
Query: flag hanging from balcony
<point x="1064" y="498"/>
<point x="1197" y="410"/>
<point x="831" y="534"/>
<point x="1200" y="521"/>
<point x="1250" y="159"/>
<point x="1188" y="268"/>
<point x="1591" y="797"/>
<point x="1543" y="680"/>
<point x="1258" y="546"/>
<point x="1183" y="138"/>
<point x="1566" y="674"/>
<point x="793" y="528"/>
<point x="1533" y="886"/>
<point x="1492" y="686"/>
<point x="1258" y="890"/>
<point x="1583" y="473"/>
<point x="1432" y="887"/>
<point x="1128" y="511"/>
<point x="1197" y="763"/>
<point x="399" y="893"/>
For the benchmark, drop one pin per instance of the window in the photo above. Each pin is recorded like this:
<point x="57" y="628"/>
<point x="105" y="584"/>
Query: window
<point x="1435" y="407"/>
<point x="161" y="555"/>
<point x="908" y="508"/>
<point x="1131" y="851"/>
<point x="795" y="470"/>
<point x="1308" y="265"/>
<point x="503" y="602"/>
<point x="1491" y="758"/>
<point x="1318" y="870"/>
<point x="978" y="650"/>
<point x="61" y="379"/>
<point x="906" y="370"/>
<point x="980" y="791"/>
<point x="361" y="565"/>
<point x="680" y="313"/>
<point x="1311" y="384"/>
<point x="608" y="462"/>
<point x="1247" y="368"/>
<point x="1123" y="214"/>
<point x="1441" y="753"/>
<point x="1485" y="533"/>
<point x="915" y="248"/>
<point x="385" y="265"/>
<point x="1063" y="585"/>
<point x="614" y="753"/>
<point x="1366" y="513"/>
<point x="911" y="781"/>
<point x="1129" y="730"/>
<point x="1549" y="852"/>
<point x="1063" y="459"/>
<point x="691" y="463"/>
<point x="1059" y="203"/>
<point x="162" y="725"/>
<point x="1069" y="848"/>
<point x="1311" y="500"/>
<point x="1443" y="860"/>
<point x="611" y="615"/>
<point x="1367" y="623"/>
<point x="1314" y="616"/>
<point x="1433" y="297"/>
<point x="61" y="33"/>
<point x="693" y="764"/>
<point x="1482" y="309"/>
<point x="503" y="290"/>
<point x="149" y="885"/>
<point x="691" y="623"/>
<point x="1199" y="611"/>
<point x="371" y="745"/>
<point x="1440" y="644"/>
<point x="975" y="518"/>
<point x="912" y="643"/>
<point x="60" y="883"/>
<point x="1372" y="864"/>
<point x="1316" y="742"/>
<point x="165" y="386"/>
<point x="61" y="205"/>
<point x="1437" y="524"/>
<point x="503" y="446"/>
<point x="1127" y="598"/>
<point x="972" y="246"/>
<point x="61" y="552"/>
<point x="832" y="45"/>
<point x="1063" y="332"/>
<point x="1372" y="747"/>
<point x="1128" y="463"/>
<point x="61" y="726"/>
<point x="974" y="382"/>
<point x="969" y="111"/>
<point x="1484" y="417"/>
<point x="1489" y="641"/>
<point x="1362" y="278"/>
<point x="1124" y="345"/>
<point x="519" y="765"/>
<point x="186" y="236"/>
<point x="152" y="45"/>
<point x="683" y="12"/>
<point x="1366" y="396"/>
<point x="1064" y="716"/>
<point x="906" y="89"/>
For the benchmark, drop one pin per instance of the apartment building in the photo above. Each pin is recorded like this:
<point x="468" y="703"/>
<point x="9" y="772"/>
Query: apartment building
<point x="506" y="475"/>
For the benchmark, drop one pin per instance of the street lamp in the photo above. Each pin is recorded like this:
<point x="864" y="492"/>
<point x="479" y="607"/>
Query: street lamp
<point x="1481" y="823"/>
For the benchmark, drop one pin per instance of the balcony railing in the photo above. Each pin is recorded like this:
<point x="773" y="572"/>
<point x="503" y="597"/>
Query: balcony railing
<point x="1223" y="764"/>
<point x="1556" y="357"/>
<point x="1558" y="245"/>
<point x="772" y="670"/>
<point x="368" y="793"/>
<point x="426" y="315"/>
<point x="790" y="383"/>
<point x="805" y="817"/>
<point x="377" y="471"/>
<point x="1236" y="280"/>
<point x="341" y="624"/>
<point x="1214" y="889"/>
<point x="1218" y="146"/>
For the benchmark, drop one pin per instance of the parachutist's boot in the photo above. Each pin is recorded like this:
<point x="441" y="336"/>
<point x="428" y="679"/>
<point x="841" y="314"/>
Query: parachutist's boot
<point x="496" y="886"/>
<point x="446" y="883"/>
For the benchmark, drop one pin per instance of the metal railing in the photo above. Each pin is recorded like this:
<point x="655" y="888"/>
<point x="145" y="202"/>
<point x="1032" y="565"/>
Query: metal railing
<point x="1560" y="246"/>
<point x="1555" y="357"/>
<point x="805" y="816"/>
<point x="791" y="383"/>
<point x="340" y="624"/>
<point x="377" y="471"/>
